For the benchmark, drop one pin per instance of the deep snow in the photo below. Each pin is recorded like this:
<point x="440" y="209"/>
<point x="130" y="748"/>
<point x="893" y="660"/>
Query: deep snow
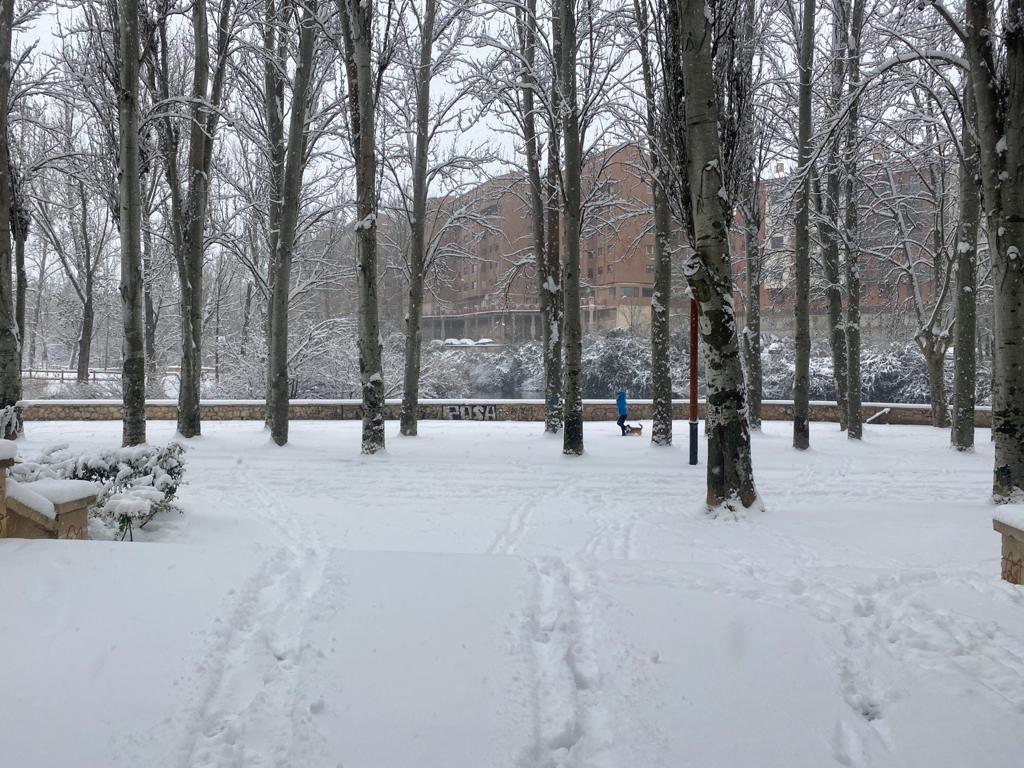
<point x="473" y="598"/>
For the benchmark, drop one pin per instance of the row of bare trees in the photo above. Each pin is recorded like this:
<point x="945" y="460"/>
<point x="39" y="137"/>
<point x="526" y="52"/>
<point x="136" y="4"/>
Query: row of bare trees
<point x="217" y="158"/>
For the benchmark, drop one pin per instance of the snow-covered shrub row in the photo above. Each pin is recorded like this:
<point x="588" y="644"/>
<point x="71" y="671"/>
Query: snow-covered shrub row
<point x="613" y="359"/>
<point x="135" y="483"/>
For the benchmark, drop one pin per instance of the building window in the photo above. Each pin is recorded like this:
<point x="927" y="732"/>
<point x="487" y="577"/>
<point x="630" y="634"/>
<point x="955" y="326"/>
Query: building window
<point x="650" y="250"/>
<point x="609" y="249"/>
<point x="611" y="292"/>
<point x="590" y="273"/>
<point x="590" y="255"/>
<point x="610" y="268"/>
<point x="630" y="293"/>
<point x="648" y="292"/>
<point x="600" y="270"/>
<point x="649" y="269"/>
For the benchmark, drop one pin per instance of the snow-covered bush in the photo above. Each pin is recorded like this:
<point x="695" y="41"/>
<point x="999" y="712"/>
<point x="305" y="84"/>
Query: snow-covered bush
<point x="135" y="483"/>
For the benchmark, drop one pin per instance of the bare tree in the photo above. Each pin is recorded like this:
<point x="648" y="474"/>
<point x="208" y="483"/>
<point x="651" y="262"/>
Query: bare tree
<point x="730" y="476"/>
<point x="295" y="162"/>
<point x="188" y="180"/>
<point x="357" y="26"/>
<point x="10" y="344"/>
<point x="133" y="375"/>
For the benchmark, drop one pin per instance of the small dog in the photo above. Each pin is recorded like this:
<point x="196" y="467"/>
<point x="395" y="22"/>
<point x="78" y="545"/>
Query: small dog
<point x="637" y="430"/>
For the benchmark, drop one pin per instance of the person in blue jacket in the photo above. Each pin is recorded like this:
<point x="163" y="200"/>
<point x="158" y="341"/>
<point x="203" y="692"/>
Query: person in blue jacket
<point x="620" y="404"/>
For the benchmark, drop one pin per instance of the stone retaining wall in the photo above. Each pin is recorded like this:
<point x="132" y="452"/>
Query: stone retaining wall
<point x="466" y="410"/>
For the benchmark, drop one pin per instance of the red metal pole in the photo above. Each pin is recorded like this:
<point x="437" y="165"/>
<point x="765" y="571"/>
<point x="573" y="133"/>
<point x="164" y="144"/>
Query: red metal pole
<point x="693" y="380"/>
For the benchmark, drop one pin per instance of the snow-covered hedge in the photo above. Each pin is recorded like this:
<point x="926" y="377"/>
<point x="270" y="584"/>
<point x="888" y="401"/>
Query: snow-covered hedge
<point x="135" y="483"/>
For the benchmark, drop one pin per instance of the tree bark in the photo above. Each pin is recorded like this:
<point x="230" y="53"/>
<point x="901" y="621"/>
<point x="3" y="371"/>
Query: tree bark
<point x="565" y="57"/>
<point x="149" y="309"/>
<point x="965" y="330"/>
<point x="661" y="373"/>
<point x="554" y="370"/>
<point x="275" y="52"/>
<point x="133" y="371"/>
<point x="935" y="357"/>
<point x="829" y="229"/>
<point x="37" y="309"/>
<point x="752" y="331"/>
<point x="418" y="239"/>
<point x="356" y="22"/>
<point x="730" y="476"/>
<point x="20" y="221"/>
<point x="292" y="193"/>
<point x="854" y="422"/>
<point x="10" y="347"/>
<point x="1000" y="123"/>
<point x="802" y="235"/>
<point x="548" y="270"/>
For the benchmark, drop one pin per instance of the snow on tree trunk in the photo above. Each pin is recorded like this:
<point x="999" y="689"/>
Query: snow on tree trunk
<point x="418" y="246"/>
<point x="752" y="331"/>
<point x="965" y="366"/>
<point x="10" y="367"/>
<point x="730" y="476"/>
<point x="661" y="298"/>
<point x="802" y="235"/>
<point x="554" y="369"/>
<point x="357" y="31"/>
<point x="549" y="273"/>
<point x="133" y="365"/>
<point x="999" y="108"/>
<point x="572" y="436"/>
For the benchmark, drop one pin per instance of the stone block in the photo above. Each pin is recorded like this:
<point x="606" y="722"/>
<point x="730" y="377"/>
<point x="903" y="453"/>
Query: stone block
<point x="1013" y="552"/>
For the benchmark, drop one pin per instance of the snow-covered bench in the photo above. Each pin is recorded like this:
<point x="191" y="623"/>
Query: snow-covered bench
<point x="1010" y="523"/>
<point x="44" y="509"/>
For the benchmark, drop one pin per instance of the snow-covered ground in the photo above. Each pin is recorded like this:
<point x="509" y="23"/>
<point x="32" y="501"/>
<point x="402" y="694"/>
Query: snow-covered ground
<point x="472" y="599"/>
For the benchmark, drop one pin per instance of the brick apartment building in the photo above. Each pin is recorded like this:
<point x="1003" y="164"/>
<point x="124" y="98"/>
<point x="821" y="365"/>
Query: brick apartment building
<point x="490" y="291"/>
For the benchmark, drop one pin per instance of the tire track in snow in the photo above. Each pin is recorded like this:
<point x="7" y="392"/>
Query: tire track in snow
<point x="250" y="710"/>
<point x="571" y="724"/>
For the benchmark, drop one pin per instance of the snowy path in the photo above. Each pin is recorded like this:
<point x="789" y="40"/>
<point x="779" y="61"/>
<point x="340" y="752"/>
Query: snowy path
<point x="473" y="598"/>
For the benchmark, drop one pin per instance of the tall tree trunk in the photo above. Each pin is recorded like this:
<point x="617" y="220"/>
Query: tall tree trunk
<point x="802" y="235"/>
<point x="357" y="26"/>
<point x="418" y="239"/>
<point x="188" y="211"/>
<point x="965" y="366"/>
<point x="661" y="298"/>
<point x="854" y="422"/>
<point x="752" y="329"/>
<point x="554" y="368"/>
<point x="282" y="262"/>
<point x="275" y="52"/>
<point x="10" y="346"/>
<point x="133" y="372"/>
<point x="730" y="475"/>
<point x="829" y="229"/>
<point x="1001" y="143"/>
<point x="565" y="57"/>
<point x="548" y="272"/>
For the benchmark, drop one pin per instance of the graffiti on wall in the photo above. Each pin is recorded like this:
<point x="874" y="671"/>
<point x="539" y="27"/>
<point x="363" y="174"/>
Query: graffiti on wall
<point x="471" y="412"/>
